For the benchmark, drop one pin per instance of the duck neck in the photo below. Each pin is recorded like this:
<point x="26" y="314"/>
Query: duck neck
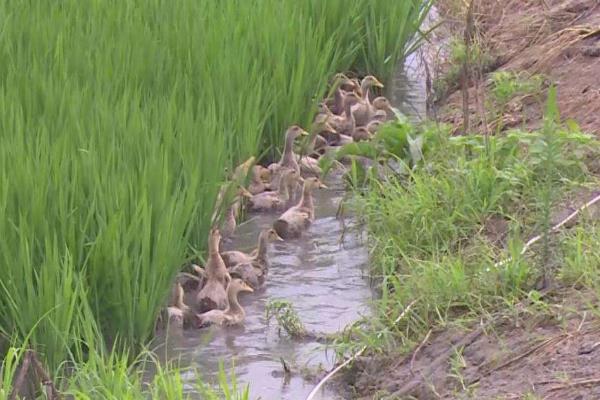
<point x="348" y="110"/>
<point x="306" y="200"/>
<point x="179" y="303"/>
<point x="282" y="190"/>
<point x="337" y="96"/>
<point x="364" y="88"/>
<point x="263" y="246"/>
<point x="234" y="306"/>
<point x="288" y="150"/>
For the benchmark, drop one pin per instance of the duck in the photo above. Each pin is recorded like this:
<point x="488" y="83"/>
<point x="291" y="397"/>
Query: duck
<point x="253" y="268"/>
<point x="361" y="133"/>
<point x="234" y="313"/>
<point x="363" y="110"/>
<point x="234" y="257"/>
<point x="241" y="171"/>
<point x="258" y="182"/>
<point x="345" y="125"/>
<point x="374" y="126"/>
<point x="229" y="223"/>
<point x="268" y="201"/>
<point x="298" y="218"/>
<point x="309" y="165"/>
<point x="342" y="85"/>
<point x="213" y="293"/>
<point x="381" y="107"/>
<point x="178" y="314"/>
<point x="288" y="158"/>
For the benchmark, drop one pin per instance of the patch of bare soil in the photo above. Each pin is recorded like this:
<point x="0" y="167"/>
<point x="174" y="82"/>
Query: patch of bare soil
<point x="549" y="354"/>
<point x="559" y="39"/>
<point x="526" y="353"/>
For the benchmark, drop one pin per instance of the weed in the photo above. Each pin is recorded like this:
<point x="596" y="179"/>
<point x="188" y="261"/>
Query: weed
<point x="286" y="317"/>
<point x="428" y="226"/>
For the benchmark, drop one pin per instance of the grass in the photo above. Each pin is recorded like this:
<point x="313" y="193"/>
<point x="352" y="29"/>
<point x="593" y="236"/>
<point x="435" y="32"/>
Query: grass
<point x="431" y="223"/>
<point x="118" y="123"/>
<point x="113" y="376"/>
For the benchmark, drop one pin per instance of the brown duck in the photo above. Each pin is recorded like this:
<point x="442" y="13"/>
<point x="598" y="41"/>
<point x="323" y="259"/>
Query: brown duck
<point x="278" y="200"/>
<point x="297" y="219"/>
<point x="213" y="293"/>
<point x="233" y="313"/>
<point x="363" y="109"/>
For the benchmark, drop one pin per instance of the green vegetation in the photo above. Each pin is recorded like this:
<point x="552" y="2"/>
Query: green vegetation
<point x="286" y="317"/>
<point x="440" y="224"/>
<point x="113" y="377"/>
<point x="119" y="121"/>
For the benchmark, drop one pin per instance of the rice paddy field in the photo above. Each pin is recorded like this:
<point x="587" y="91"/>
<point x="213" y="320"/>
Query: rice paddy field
<point x="118" y="122"/>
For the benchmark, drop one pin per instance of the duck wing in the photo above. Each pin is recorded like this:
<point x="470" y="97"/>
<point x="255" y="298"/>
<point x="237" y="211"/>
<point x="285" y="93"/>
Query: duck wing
<point x="212" y="296"/>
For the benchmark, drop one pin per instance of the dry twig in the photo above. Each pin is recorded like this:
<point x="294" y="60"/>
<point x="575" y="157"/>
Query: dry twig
<point x="314" y="392"/>
<point x="554" y="228"/>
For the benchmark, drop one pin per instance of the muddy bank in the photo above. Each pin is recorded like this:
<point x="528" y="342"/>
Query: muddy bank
<point x="560" y="40"/>
<point x="524" y="351"/>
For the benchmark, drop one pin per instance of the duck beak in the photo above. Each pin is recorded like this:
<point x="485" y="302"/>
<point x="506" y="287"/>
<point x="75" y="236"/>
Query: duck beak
<point x="249" y="289"/>
<point x="304" y="133"/>
<point x="378" y="84"/>
<point x="278" y="238"/>
<point x="322" y="185"/>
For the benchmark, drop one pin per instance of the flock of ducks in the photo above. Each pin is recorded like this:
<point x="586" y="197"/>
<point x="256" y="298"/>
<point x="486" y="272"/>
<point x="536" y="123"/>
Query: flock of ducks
<point x="209" y="295"/>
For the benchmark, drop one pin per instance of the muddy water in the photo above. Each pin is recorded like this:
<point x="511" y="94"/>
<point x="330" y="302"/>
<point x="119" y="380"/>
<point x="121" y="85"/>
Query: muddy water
<point x="324" y="275"/>
<point x="324" y="278"/>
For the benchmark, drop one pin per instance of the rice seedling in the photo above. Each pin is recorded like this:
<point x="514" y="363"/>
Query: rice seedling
<point x="118" y="124"/>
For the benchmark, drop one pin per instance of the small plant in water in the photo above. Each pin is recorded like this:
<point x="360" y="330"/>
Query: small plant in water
<point x="286" y="317"/>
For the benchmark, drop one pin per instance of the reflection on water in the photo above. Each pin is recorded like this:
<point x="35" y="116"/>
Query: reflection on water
<point x="326" y="281"/>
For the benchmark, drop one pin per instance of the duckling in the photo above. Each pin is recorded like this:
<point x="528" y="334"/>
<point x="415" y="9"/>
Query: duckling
<point x="309" y="164"/>
<point x="278" y="200"/>
<point x="178" y="314"/>
<point x="374" y="126"/>
<point x="241" y="171"/>
<point x="288" y="159"/>
<point x="233" y="313"/>
<point x="346" y="125"/>
<point x="363" y="110"/>
<point x="361" y="134"/>
<point x="298" y="218"/>
<point x="254" y="268"/>
<point x="229" y="222"/>
<point x="342" y="85"/>
<point x="257" y="184"/>
<point x="192" y="282"/>
<point x="213" y="293"/>
<point x="382" y="104"/>
<point x="232" y="258"/>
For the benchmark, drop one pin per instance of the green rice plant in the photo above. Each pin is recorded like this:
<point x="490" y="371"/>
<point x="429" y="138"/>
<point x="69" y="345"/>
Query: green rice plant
<point x="120" y="121"/>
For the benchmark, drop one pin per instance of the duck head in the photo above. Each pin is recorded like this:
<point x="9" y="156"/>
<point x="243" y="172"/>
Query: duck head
<point x="382" y="103"/>
<point x="371" y="81"/>
<point x="313" y="183"/>
<point x="214" y="239"/>
<point x="237" y="285"/>
<point x="273" y="236"/>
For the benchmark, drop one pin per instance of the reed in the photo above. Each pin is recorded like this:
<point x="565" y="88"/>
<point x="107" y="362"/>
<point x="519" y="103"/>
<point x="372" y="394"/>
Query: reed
<point x="118" y="122"/>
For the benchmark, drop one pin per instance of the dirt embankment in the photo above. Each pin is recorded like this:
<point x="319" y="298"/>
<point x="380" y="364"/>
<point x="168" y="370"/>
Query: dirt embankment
<point x="559" y="39"/>
<point x="526" y="352"/>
